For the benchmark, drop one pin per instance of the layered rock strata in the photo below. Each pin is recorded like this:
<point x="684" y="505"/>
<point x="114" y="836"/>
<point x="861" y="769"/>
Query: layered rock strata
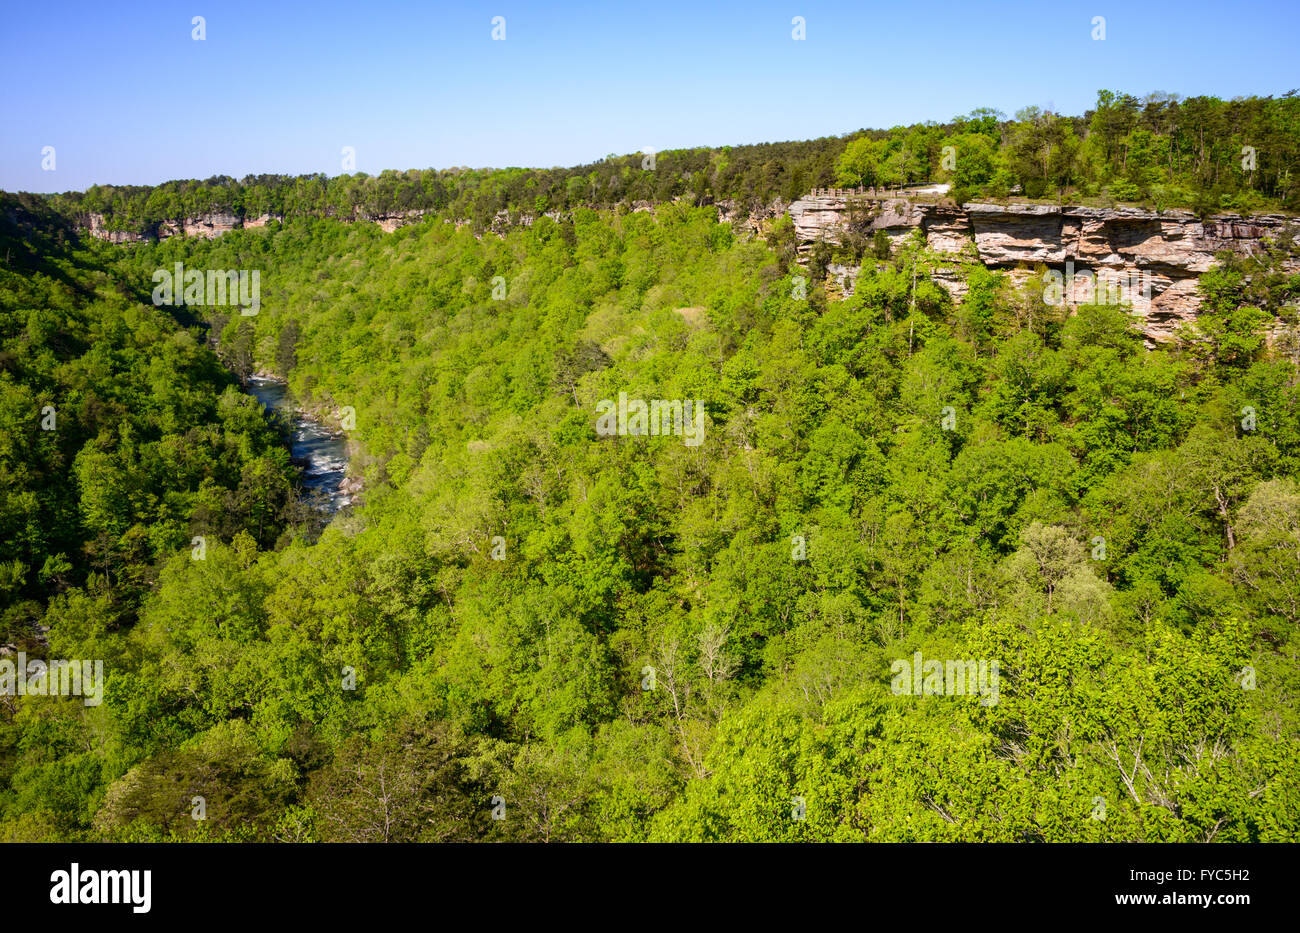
<point x="1152" y="259"/>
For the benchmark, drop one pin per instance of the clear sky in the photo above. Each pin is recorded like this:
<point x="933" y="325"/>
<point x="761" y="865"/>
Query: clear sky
<point x="125" y="95"/>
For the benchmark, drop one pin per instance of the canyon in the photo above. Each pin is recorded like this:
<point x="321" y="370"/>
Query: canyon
<point x="1165" y="251"/>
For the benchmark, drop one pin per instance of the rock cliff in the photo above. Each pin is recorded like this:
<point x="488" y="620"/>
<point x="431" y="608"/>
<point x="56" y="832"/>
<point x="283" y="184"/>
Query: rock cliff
<point x="753" y="222"/>
<point x="201" y="225"/>
<point x="1156" y="256"/>
<point x="97" y="230"/>
<point x="216" y="223"/>
<point x="388" y="222"/>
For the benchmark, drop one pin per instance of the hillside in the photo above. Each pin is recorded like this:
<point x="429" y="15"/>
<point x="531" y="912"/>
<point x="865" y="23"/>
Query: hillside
<point x="628" y="636"/>
<point x="1160" y="151"/>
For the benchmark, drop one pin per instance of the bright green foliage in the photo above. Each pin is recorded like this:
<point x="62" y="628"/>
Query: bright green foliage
<point x="1162" y="150"/>
<point x="632" y="637"/>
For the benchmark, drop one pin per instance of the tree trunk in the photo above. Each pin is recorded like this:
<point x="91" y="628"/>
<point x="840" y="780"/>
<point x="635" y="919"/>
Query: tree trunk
<point x="1223" y="513"/>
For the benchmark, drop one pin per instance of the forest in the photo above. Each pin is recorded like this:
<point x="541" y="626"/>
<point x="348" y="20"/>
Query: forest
<point x="529" y="630"/>
<point x="1160" y="150"/>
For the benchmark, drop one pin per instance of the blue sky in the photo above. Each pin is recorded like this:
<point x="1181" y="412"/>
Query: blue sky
<point x="127" y="96"/>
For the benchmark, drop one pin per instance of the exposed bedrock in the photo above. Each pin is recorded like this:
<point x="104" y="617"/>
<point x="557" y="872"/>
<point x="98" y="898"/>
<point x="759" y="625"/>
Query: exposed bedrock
<point x="1155" y="257"/>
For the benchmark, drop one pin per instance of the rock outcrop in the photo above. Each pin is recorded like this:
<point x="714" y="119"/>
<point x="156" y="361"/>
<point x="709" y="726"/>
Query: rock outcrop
<point x="388" y="222"/>
<point x="113" y="236"/>
<point x="201" y="225"/>
<point x="1154" y="258"/>
<point x="755" y="222"/>
<point x="207" y="226"/>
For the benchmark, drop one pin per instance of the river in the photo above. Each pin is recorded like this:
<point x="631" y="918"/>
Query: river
<point x="320" y="454"/>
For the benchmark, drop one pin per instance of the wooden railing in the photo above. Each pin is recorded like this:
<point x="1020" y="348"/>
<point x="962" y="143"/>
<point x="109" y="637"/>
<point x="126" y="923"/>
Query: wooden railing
<point x="870" y="192"/>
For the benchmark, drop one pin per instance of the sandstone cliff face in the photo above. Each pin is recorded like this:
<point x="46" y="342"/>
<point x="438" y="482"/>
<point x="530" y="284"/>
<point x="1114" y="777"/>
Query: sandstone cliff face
<point x="1155" y="257"/>
<point x="391" y="221"/>
<point x="201" y="225"/>
<point x="756" y="221"/>
<point x="211" y="225"/>
<point x="113" y="236"/>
